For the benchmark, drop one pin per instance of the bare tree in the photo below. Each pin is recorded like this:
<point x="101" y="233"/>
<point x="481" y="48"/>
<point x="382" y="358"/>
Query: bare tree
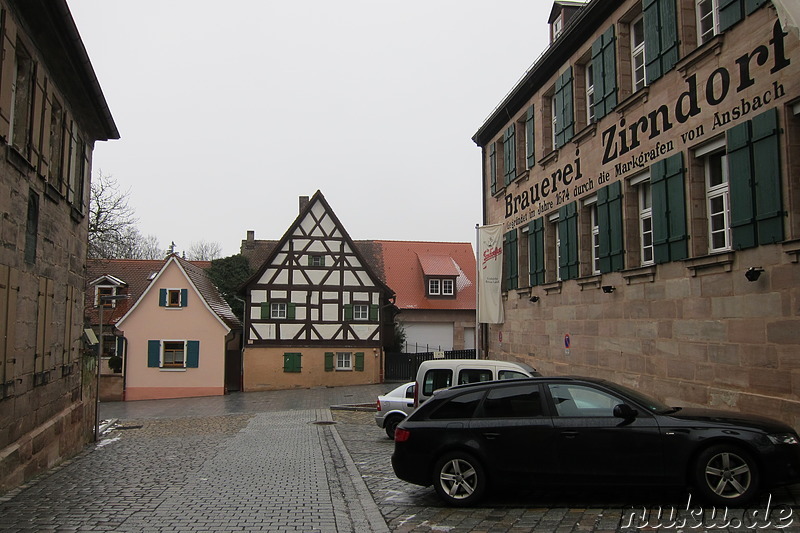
<point x="134" y="245"/>
<point x="204" y="251"/>
<point x="111" y="219"/>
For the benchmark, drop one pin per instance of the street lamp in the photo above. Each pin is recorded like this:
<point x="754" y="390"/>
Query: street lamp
<point x="101" y="299"/>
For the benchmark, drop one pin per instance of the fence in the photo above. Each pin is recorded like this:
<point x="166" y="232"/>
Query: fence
<point x="403" y="366"/>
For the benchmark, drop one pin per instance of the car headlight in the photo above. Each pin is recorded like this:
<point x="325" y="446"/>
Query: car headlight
<point x="783" y="438"/>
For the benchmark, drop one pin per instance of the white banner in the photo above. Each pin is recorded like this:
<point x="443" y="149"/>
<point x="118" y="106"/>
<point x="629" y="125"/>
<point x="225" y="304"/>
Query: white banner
<point x="490" y="274"/>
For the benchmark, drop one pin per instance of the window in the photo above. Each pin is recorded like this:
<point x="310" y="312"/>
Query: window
<point x="715" y="171"/>
<point x="435" y="379"/>
<point x="567" y="241"/>
<point x="278" y="310"/>
<point x="557" y="247"/>
<point x="56" y="145"/>
<point x="563" y="116"/>
<point x="637" y="53"/>
<point x="316" y="260"/>
<point x="292" y="362"/>
<point x="581" y="401"/>
<point x="610" y="248"/>
<point x="174" y="298"/>
<point x="557" y="27"/>
<point x="344" y="361"/>
<point x="670" y="235"/>
<point x="360" y="312"/>
<point x="660" y="20"/>
<point x="462" y="406"/>
<point x="512" y="402"/>
<point x="707" y="19"/>
<point x="530" y="152"/>
<point x="536" y="251"/>
<point x="448" y="287"/>
<point x="492" y="168"/>
<point x="554" y="123"/>
<point x="173" y="354"/>
<point x="595" y="239"/>
<point x="646" y="222"/>
<point x="511" y="260"/>
<point x="589" y="73"/>
<point x="510" y="154"/>
<point x="474" y="375"/>
<point x="105" y="291"/>
<point x="32" y="227"/>
<point x="434" y="287"/>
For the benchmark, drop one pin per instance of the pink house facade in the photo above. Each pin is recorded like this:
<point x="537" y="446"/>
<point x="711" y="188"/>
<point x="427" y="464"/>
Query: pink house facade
<point x="177" y="335"/>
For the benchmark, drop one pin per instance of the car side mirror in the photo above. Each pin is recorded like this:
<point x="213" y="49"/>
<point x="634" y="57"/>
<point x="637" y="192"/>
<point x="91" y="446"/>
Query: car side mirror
<point x="624" y="411"/>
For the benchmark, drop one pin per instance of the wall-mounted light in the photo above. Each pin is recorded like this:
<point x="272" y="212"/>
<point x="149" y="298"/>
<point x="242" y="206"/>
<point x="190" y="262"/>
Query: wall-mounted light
<point x="534" y="299"/>
<point x="753" y="273"/>
<point x="608" y="289"/>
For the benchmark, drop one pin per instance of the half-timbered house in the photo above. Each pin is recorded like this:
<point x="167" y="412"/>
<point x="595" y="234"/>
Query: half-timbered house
<point x="315" y="309"/>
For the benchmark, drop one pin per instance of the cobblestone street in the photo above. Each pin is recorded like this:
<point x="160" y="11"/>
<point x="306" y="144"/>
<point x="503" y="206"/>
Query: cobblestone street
<point x="255" y="464"/>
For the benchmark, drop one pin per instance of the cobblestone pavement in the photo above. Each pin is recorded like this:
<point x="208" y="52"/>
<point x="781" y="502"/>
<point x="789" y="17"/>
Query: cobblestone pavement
<point x="409" y="508"/>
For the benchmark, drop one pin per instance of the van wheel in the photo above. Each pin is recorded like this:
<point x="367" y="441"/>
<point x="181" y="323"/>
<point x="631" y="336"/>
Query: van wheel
<point x="459" y="479"/>
<point x="391" y="424"/>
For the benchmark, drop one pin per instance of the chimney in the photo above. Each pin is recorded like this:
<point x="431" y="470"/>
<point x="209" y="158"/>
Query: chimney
<point x="250" y="243"/>
<point x="303" y="202"/>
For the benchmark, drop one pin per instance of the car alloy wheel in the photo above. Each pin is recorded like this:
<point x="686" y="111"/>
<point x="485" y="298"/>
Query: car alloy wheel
<point x="726" y="475"/>
<point x="460" y="479"/>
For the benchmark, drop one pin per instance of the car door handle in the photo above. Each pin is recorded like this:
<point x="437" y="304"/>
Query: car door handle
<point x="491" y="436"/>
<point x="570" y="434"/>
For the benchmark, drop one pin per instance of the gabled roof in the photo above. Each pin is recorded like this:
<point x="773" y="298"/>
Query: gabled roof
<point x="407" y="263"/>
<point x="139" y="275"/>
<point x="270" y="250"/>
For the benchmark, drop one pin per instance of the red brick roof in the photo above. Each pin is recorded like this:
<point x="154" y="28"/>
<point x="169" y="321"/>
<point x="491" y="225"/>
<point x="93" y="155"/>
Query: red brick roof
<point x="406" y="263"/>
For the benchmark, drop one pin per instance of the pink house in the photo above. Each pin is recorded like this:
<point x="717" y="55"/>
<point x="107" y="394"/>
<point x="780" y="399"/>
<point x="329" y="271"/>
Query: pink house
<point x="177" y="334"/>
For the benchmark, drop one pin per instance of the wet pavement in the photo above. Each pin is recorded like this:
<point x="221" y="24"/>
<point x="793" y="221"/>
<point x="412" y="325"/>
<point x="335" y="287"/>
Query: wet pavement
<point x="286" y="461"/>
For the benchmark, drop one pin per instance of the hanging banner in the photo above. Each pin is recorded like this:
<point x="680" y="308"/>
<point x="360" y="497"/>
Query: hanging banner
<point x="490" y="274"/>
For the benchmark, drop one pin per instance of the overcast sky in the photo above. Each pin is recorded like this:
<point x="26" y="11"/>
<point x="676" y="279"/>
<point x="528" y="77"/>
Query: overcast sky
<point x="228" y="112"/>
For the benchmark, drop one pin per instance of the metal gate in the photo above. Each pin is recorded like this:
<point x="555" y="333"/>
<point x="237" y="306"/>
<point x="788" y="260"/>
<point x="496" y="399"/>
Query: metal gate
<point x="403" y="366"/>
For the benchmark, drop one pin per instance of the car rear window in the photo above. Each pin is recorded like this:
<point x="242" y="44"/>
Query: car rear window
<point x="473" y="375"/>
<point x="462" y="406"/>
<point x="435" y="379"/>
<point x="510" y="374"/>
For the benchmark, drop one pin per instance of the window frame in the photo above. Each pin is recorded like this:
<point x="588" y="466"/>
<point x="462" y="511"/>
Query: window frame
<point x="448" y="287"/>
<point x="344" y="362"/>
<point x="278" y="308"/>
<point x="644" y="210"/>
<point x="638" y="50"/>
<point x="594" y="225"/>
<point x="105" y="290"/>
<point x="361" y="312"/>
<point x="164" y="350"/>
<point x="705" y="36"/>
<point x="434" y="287"/>
<point x="589" y="82"/>
<point x="171" y="295"/>
<point x="713" y="192"/>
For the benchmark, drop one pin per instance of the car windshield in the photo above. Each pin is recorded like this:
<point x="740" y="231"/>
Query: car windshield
<point x="651" y="404"/>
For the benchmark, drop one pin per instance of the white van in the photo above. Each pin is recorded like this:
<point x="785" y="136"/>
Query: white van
<point x="438" y="374"/>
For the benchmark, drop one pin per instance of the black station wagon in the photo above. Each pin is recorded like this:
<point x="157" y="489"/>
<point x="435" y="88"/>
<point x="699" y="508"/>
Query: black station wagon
<point x="579" y="431"/>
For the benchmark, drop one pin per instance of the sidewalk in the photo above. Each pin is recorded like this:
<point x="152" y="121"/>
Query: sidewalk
<point x="246" y="462"/>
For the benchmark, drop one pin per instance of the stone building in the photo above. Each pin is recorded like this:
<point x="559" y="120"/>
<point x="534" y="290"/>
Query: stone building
<point x="645" y="170"/>
<point x="52" y="111"/>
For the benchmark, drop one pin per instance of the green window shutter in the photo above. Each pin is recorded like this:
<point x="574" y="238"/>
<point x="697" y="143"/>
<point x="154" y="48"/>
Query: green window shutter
<point x="740" y="187"/>
<point x="511" y="259"/>
<point x="184" y="297"/>
<point x="568" y="245"/>
<point x="153" y="354"/>
<point x="752" y="5"/>
<point x="530" y="152"/>
<point x="670" y="238"/>
<point x="536" y="251"/>
<point x="604" y="65"/>
<point x="661" y="37"/>
<point x="291" y="362"/>
<point x="192" y="354"/>
<point x="767" y="180"/>
<point x="264" y="310"/>
<point x="328" y="361"/>
<point x="510" y="154"/>
<point x="291" y="311"/>
<point x="565" y="126"/>
<point x="730" y="12"/>
<point x="162" y="297"/>
<point x="359" y="361"/>
<point x="609" y="220"/>
<point x="348" y="312"/>
<point x="493" y="167"/>
<point x="374" y="312"/>
<point x="120" y="346"/>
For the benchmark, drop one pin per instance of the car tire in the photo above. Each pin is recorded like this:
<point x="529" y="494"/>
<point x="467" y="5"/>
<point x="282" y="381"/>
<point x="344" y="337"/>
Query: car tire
<point x="459" y="479"/>
<point x="391" y="424"/>
<point x="726" y="475"/>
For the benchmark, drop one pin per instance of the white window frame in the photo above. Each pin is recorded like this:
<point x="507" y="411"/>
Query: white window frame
<point x="712" y="16"/>
<point x="713" y="150"/>
<point x="645" y="195"/>
<point x="360" y="312"/>
<point x="595" y="239"/>
<point x="164" y="350"/>
<point x="638" y="51"/>
<point x="111" y="304"/>
<point x="553" y="219"/>
<point x="558" y="27"/>
<point x="170" y="292"/>
<point x="344" y="361"/>
<point x="434" y="287"/>
<point x="554" y="120"/>
<point x="448" y="287"/>
<point x="278" y="310"/>
<point x="589" y="77"/>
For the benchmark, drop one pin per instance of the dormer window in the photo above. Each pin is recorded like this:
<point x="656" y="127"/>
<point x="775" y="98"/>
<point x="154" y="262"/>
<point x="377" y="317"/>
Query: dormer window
<point x="557" y="28"/>
<point x="100" y="292"/>
<point x="441" y="287"/>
